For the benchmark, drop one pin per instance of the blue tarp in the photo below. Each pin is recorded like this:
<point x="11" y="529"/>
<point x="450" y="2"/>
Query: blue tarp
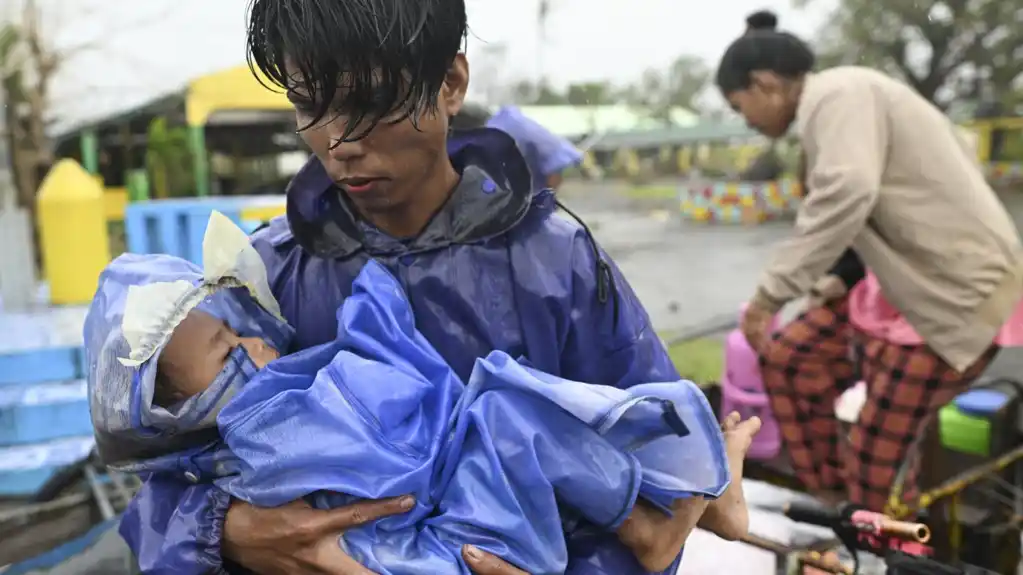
<point x="492" y="461"/>
<point x="545" y="153"/>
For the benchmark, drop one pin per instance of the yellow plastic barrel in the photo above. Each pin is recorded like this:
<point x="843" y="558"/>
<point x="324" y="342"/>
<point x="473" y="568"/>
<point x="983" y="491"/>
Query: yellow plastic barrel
<point x="71" y="213"/>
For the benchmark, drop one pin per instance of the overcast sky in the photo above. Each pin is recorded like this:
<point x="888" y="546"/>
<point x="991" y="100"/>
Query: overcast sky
<point x="140" y="49"/>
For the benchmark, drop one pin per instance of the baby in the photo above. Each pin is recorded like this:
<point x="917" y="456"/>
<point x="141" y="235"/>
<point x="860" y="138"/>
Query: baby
<point x="197" y="352"/>
<point x="203" y="350"/>
<point x="200" y="347"/>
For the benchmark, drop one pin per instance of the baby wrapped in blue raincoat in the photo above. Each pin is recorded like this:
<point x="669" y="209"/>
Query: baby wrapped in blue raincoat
<point x="507" y="461"/>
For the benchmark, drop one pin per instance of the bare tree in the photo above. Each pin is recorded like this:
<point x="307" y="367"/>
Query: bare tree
<point x="678" y="86"/>
<point x="30" y="59"/>
<point x="26" y="67"/>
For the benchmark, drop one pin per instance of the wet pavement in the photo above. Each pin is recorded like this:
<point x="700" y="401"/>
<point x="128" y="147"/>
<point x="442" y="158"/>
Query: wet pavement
<point x="686" y="274"/>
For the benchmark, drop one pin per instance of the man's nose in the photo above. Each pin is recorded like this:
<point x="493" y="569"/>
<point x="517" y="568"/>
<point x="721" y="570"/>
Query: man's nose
<point x="342" y="149"/>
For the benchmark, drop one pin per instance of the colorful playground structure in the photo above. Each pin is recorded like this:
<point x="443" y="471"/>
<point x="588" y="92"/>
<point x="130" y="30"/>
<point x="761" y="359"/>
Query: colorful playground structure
<point x="739" y="202"/>
<point x="735" y="202"/>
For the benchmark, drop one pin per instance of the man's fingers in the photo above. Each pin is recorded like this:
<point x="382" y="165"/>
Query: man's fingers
<point x="342" y="518"/>
<point x="328" y="559"/>
<point x="483" y="563"/>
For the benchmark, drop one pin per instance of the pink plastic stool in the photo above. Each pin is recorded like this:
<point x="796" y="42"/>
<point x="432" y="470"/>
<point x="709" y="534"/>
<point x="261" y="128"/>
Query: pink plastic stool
<point x="742" y="390"/>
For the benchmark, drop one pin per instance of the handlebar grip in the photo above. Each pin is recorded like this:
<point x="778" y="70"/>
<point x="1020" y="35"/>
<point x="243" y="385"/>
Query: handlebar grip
<point x="879" y="524"/>
<point x="812" y="514"/>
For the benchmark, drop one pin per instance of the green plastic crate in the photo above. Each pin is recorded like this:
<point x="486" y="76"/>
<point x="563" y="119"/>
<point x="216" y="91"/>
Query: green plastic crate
<point x="964" y="433"/>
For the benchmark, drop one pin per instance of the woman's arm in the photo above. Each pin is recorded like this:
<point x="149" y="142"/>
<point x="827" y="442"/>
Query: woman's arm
<point x="844" y="134"/>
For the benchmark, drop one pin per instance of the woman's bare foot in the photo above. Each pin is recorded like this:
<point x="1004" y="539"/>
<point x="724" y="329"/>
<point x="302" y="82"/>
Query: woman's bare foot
<point x="728" y="517"/>
<point x="655" y="538"/>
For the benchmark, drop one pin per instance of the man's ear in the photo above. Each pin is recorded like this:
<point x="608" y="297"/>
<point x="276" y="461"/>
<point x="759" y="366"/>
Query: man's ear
<point x="456" y="84"/>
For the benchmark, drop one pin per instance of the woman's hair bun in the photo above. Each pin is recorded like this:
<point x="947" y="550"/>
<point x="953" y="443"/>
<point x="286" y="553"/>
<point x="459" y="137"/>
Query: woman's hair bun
<point x="762" y="20"/>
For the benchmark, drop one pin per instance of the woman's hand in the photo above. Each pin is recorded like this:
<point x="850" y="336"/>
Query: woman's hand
<point x="296" y="539"/>
<point x="483" y="563"/>
<point x="756" y="325"/>
<point x="826" y="290"/>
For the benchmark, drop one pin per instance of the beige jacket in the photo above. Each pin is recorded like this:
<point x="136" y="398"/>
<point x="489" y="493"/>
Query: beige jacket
<point x="891" y="176"/>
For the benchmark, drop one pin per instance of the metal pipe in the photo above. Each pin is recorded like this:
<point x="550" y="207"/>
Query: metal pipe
<point x="906" y="530"/>
<point x="98" y="493"/>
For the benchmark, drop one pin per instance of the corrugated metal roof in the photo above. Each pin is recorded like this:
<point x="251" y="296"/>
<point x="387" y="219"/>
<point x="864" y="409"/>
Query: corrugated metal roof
<point x="704" y="132"/>
<point x="576" y="121"/>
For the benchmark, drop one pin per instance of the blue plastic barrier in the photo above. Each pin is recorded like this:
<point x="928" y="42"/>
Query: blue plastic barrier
<point x="25" y="468"/>
<point x="43" y="412"/>
<point x="40" y="350"/>
<point x="42" y="365"/>
<point x="177" y="226"/>
<point x="41" y="346"/>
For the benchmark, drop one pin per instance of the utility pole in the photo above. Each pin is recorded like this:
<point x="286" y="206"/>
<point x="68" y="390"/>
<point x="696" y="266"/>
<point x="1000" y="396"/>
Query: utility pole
<point x="17" y="258"/>
<point x="543" y="13"/>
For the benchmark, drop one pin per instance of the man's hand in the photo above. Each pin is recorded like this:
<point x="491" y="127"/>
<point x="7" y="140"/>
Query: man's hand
<point x="483" y="563"/>
<point x="756" y="325"/>
<point x="296" y="539"/>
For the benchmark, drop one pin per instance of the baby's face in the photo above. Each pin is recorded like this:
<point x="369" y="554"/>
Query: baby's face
<point x="198" y="351"/>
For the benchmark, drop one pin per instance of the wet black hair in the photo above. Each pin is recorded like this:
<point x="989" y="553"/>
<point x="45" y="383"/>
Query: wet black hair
<point x="390" y="56"/>
<point x="164" y="394"/>
<point x="763" y="47"/>
<point x="762" y="20"/>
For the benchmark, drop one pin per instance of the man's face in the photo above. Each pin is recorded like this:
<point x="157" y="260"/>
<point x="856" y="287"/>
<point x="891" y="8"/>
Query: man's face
<point x="383" y="169"/>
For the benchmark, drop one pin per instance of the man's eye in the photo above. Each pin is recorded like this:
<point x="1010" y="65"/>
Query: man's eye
<point x="301" y="103"/>
<point x="304" y="108"/>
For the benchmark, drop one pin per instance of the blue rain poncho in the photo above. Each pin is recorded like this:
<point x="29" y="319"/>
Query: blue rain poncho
<point x="507" y="461"/>
<point x="378" y="413"/>
<point x="497" y="268"/>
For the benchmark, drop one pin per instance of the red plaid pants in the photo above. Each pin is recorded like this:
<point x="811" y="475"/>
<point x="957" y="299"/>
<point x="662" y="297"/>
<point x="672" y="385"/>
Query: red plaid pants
<point x="806" y="367"/>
